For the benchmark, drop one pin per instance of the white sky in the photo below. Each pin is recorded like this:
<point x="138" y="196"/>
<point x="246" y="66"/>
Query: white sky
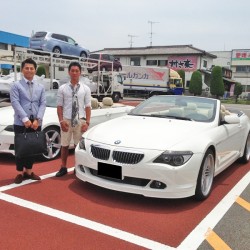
<point x="213" y="25"/>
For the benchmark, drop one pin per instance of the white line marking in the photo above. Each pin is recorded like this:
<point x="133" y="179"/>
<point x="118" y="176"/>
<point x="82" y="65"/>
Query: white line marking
<point x="132" y="238"/>
<point x="13" y="185"/>
<point x="197" y="236"/>
<point x="192" y="241"/>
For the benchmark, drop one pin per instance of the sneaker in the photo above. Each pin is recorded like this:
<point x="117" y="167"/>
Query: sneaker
<point x="35" y="177"/>
<point x="18" y="179"/>
<point x="62" y="172"/>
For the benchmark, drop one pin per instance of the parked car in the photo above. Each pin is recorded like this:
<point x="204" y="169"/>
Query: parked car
<point x="167" y="147"/>
<point x="51" y="124"/>
<point x="8" y="80"/>
<point x="104" y="62"/>
<point x="57" y="43"/>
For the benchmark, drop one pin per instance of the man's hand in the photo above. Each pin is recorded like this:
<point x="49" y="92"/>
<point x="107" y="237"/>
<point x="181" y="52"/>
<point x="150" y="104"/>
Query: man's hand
<point x="28" y="124"/>
<point x="35" y="124"/>
<point x="64" y="126"/>
<point x="84" y="127"/>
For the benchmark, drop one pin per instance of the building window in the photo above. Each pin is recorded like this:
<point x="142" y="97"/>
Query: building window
<point x="162" y="62"/>
<point x="3" y="46"/>
<point x="204" y="64"/>
<point x="60" y="68"/>
<point x="187" y="84"/>
<point x="135" y="61"/>
<point x="151" y="62"/>
<point x="246" y="88"/>
<point x="243" y="69"/>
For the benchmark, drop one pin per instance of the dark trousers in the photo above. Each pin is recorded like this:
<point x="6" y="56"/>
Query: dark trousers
<point x="26" y="162"/>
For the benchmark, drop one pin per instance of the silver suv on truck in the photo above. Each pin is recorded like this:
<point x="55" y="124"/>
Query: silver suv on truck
<point x="57" y="43"/>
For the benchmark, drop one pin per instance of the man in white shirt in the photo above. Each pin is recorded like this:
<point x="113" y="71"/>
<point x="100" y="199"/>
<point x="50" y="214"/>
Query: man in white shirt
<point x="74" y="111"/>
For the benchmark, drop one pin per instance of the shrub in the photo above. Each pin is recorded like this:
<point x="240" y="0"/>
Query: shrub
<point x="216" y="83"/>
<point x="195" y="86"/>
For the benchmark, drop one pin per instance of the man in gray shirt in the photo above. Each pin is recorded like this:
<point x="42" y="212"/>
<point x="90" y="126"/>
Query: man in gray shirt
<point x="28" y="101"/>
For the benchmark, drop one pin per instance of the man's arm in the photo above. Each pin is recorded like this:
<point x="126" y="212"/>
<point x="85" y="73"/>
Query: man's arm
<point x="88" y="114"/>
<point x="15" y="102"/>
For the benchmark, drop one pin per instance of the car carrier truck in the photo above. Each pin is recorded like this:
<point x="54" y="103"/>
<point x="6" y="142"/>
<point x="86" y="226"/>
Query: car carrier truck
<point x="148" y="81"/>
<point x="102" y="84"/>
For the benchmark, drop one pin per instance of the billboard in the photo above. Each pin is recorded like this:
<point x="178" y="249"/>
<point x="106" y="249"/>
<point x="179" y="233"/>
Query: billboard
<point x="186" y="63"/>
<point x="241" y="54"/>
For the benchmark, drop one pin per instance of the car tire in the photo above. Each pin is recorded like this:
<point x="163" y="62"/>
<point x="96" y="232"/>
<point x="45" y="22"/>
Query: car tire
<point x="55" y="85"/>
<point x="246" y="155"/>
<point x="205" y="177"/>
<point x="83" y="55"/>
<point x="53" y="138"/>
<point x="116" y="97"/>
<point x="57" y="51"/>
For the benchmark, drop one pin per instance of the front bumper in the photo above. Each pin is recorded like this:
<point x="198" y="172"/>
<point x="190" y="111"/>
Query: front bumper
<point x="145" y="178"/>
<point x="7" y="142"/>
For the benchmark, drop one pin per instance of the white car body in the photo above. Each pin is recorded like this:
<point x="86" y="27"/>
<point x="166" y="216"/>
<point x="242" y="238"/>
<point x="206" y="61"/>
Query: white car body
<point x="120" y="154"/>
<point x="7" y="81"/>
<point x="51" y="124"/>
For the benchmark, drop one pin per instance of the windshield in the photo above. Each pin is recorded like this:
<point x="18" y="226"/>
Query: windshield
<point x="178" y="107"/>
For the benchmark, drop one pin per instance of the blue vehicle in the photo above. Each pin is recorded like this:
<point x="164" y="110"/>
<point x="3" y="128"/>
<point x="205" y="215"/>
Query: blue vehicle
<point x="57" y="43"/>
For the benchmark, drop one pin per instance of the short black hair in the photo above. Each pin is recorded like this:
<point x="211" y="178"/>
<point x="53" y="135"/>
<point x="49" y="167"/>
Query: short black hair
<point x="77" y="64"/>
<point x="29" y="61"/>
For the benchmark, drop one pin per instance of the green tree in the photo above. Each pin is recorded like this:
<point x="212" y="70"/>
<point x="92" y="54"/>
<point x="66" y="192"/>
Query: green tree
<point x="41" y="70"/>
<point x="216" y="84"/>
<point x="195" y="86"/>
<point x="182" y="75"/>
<point x="238" y="89"/>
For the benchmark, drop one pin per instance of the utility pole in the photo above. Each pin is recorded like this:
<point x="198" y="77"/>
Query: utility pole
<point x="151" y="31"/>
<point x="131" y="40"/>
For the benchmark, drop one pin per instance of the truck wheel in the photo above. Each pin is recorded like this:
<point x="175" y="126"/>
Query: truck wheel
<point x="116" y="97"/>
<point x="55" y="85"/>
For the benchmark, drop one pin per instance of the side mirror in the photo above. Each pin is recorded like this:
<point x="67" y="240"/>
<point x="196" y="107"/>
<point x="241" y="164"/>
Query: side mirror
<point x="232" y="119"/>
<point x="129" y="109"/>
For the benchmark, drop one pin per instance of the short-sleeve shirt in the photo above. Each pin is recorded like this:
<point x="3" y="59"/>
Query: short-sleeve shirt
<point x="64" y="99"/>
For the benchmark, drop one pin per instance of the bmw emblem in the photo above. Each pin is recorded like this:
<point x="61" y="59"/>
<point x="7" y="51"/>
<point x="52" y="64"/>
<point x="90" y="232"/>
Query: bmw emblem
<point x="117" y="142"/>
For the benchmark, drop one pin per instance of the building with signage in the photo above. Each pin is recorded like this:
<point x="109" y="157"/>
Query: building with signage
<point x="7" y="43"/>
<point x="240" y="65"/>
<point x="179" y="57"/>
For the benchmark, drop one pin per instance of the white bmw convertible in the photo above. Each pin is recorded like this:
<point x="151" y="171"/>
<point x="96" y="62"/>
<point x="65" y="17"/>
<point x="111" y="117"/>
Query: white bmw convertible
<point x="166" y="147"/>
<point x="100" y="112"/>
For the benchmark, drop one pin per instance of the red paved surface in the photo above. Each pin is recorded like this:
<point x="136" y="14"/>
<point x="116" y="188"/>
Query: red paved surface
<point x="165" y="221"/>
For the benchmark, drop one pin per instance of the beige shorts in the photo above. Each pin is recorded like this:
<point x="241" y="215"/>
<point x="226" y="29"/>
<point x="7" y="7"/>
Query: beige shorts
<point x="66" y="137"/>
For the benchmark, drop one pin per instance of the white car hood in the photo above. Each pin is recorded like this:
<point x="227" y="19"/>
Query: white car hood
<point x="146" y="132"/>
<point x="7" y="116"/>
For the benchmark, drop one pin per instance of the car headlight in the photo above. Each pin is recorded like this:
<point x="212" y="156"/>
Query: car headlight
<point x="174" y="158"/>
<point x="82" y="143"/>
